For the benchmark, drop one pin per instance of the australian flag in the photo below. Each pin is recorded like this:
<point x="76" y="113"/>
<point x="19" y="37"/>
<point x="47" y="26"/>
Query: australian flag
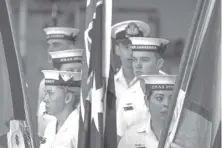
<point x="95" y="87"/>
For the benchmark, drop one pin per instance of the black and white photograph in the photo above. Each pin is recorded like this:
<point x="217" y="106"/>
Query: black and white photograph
<point x="110" y="74"/>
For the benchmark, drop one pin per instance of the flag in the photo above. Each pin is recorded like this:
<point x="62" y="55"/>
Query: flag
<point x="94" y="83"/>
<point x="197" y="96"/>
<point x="16" y="83"/>
<point x="97" y="92"/>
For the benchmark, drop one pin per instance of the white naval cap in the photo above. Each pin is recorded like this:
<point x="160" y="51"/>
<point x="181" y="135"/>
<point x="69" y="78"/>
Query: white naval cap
<point x="130" y="28"/>
<point x="159" y="82"/>
<point x="67" y="56"/>
<point x="62" y="78"/>
<point x="61" y="33"/>
<point x="148" y="44"/>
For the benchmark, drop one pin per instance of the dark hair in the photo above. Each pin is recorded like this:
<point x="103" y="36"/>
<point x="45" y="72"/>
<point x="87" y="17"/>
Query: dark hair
<point x="57" y="65"/>
<point x="147" y="96"/>
<point x="159" y="54"/>
<point x="76" y="101"/>
<point x="124" y="42"/>
<point x="149" y="93"/>
<point x="74" y="94"/>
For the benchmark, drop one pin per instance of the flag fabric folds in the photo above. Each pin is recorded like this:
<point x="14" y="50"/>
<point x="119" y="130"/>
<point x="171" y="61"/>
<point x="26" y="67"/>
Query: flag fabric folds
<point x="199" y="87"/>
<point x="94" y="82"/>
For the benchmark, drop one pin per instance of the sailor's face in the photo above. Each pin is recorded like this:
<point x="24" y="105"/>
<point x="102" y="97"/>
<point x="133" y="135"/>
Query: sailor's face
<point x="126" y="55"/>
<point x="159" y="103"/>
<point x="73" y="67"/>
<point x="59" y="44"/>
<point x="54" y="99"/>
<point x="144" y="63"/>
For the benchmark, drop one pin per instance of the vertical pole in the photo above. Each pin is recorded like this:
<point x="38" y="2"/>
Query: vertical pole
<point x="16" y="76"/>
<point x="107" y="22"/>
<point x="23" y="27"/>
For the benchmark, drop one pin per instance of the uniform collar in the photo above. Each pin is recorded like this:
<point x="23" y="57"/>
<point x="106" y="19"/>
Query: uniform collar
<point x="119" y="77"/>
<point x="162" y="72"/>
<point x="70" y="120"/>
<point x="136" y="80"/>
<point x="146" y="128"/>
<point x="134" y="83"/>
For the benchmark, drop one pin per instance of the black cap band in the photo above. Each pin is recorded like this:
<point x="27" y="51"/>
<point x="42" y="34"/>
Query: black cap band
<point x="76" y="59"/>
<point x="69" y="83"/>
<point x="146" y="48"/>
<point x="60" y="36"/>
<point x="159" y="86"/>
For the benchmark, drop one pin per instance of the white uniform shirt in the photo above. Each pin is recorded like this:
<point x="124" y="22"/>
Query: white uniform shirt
<point x="132" y="109"/>
<point x="139" y="136"/>
<point x="43" y="119"/>
<point x="121" y="85"/>
<point x="123" y="102"/>
<point x="66" y="137"/>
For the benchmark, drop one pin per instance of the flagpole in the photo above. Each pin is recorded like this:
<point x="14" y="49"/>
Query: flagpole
<point x="186" y="53"/>
<point x="107" y="20"/>
<point x="22" y="26"/>
<point x="28" y="128"/>
<point x="23" y="13"/>
<point x="107" y="35"/>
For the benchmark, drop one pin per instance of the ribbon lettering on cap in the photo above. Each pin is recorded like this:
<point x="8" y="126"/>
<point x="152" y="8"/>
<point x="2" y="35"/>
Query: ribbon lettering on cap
<point x="145" y="48"/>
<point x="159" y="86"/>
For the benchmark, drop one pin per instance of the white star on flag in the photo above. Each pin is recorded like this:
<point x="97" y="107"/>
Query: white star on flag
<point x="88" y="2"/>
<point x="97" y="104"/>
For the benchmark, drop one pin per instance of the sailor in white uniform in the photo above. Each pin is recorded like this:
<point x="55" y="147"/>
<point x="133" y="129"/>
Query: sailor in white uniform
<point x="147" y="55"/>
<point x="62" y="96"/>
<point x="58" y="39"/>
<point x="66" y="60"/>
<point x="147" y="59"/>
<point x="121" y="33"/>
<point x="158" y="90"/>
